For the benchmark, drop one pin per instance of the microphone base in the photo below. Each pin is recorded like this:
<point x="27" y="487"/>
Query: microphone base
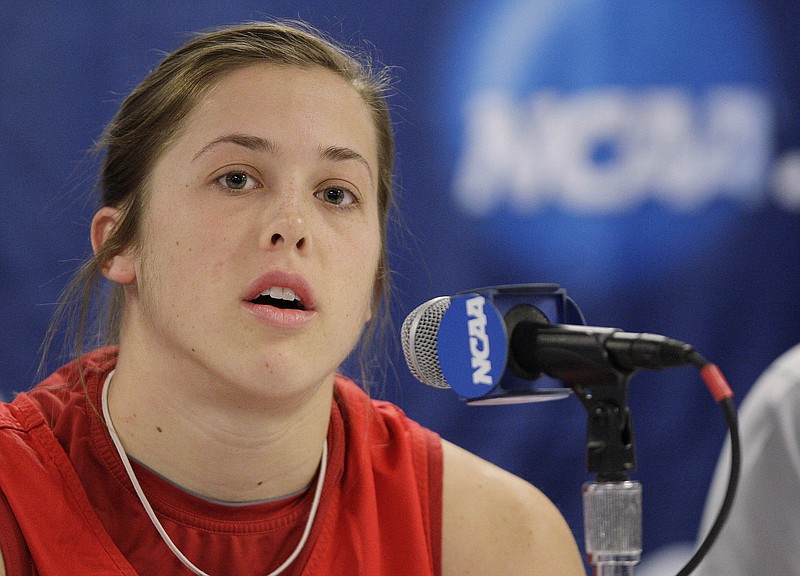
<point x="613" y="526"/>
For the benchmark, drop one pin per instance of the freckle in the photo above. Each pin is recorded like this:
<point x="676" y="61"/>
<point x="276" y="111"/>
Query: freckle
<point x="159" y="428"/>
<point x="177" y="242"/>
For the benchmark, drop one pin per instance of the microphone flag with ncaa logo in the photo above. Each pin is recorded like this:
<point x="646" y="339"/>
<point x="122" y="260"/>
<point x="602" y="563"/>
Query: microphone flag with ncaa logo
<point x="472" y="345"/>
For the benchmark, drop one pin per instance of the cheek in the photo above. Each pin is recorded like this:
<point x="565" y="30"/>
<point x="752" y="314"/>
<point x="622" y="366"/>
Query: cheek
<point x="177" y="289"/>
<point x="191" y="228"/>
<point x="180" y="261"/>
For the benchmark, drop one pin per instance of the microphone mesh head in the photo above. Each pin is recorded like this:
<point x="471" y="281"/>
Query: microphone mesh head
<point x="418" y="336"/>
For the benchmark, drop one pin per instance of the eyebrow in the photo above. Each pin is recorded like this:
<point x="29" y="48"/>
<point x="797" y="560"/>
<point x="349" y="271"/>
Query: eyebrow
<point x="338" y="153"/>
<point x="258" y="144"/>
<point x="254" y="143"/>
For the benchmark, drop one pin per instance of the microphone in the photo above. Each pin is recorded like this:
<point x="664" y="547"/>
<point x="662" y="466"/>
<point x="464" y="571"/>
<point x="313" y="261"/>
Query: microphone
<point x="493" y="343"/>
<point x="489" y="345"/>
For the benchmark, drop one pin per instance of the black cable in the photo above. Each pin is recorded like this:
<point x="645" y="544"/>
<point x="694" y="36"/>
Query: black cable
<point x="733" y="481"/>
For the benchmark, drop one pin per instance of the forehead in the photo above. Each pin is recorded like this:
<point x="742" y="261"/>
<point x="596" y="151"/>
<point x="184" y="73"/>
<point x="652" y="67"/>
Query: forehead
<point x="296" y="107"/>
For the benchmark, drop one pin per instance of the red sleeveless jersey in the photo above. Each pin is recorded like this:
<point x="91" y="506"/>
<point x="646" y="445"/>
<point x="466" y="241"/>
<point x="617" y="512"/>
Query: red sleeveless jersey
<point x="68" y="508"/>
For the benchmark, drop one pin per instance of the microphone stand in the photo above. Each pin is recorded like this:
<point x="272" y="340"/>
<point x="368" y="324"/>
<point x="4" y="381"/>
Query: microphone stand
<point x="612" y="503"/>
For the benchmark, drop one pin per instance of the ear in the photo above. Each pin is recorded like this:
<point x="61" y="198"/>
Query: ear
<point x="120" y="267"/>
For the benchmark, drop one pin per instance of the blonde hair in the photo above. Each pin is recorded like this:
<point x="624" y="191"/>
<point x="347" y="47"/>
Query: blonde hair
<point x="151" y="116"/>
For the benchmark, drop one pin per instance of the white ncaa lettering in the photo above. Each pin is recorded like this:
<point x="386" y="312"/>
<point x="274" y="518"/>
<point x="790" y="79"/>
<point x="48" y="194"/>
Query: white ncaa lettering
<point x="478" y="341"/>
<point x="607" y="150"/>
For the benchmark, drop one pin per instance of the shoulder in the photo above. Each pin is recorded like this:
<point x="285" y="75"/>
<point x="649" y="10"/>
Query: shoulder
<point x="495" y="523"/>
<point x="773" y="402"/>
<point x="386" y="422"/>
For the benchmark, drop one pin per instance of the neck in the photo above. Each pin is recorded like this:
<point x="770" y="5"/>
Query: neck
<point x="222" y="447"/>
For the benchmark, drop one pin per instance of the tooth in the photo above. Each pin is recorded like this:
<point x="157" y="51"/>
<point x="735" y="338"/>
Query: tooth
<point x="280" y="293"/>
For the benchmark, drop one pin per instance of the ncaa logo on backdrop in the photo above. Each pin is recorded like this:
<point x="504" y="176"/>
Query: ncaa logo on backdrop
<point x="578" y="120"/>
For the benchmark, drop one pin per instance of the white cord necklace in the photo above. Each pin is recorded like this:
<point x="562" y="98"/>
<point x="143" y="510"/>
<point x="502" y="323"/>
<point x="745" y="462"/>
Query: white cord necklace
<point x="323" y="465"/>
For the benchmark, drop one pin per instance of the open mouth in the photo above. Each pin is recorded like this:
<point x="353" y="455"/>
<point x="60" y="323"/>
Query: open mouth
<point x="279" y="297"/>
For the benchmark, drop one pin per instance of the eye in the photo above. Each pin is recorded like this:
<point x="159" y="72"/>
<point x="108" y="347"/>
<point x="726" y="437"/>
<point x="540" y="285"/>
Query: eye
<point x="238" y="180"/>
<point x="337" y="196"/>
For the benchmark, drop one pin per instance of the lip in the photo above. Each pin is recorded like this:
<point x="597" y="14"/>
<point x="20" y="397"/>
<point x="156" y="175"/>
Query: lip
<point x="281" y="317"/>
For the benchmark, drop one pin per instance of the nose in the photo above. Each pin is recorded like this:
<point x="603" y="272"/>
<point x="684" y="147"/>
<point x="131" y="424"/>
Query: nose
<point x="286" y="224"/>
<point x="289" y="232"/>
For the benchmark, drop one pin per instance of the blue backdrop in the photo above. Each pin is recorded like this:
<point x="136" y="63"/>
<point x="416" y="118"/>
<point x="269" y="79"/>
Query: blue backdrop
<point x="645" y="155"/>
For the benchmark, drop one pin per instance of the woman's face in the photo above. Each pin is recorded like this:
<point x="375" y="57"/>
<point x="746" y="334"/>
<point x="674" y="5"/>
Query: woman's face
<point x="261" y="235"/>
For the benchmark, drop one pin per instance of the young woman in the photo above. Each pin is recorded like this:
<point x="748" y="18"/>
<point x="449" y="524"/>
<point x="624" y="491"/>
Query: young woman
<point x="245" y="192"/>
